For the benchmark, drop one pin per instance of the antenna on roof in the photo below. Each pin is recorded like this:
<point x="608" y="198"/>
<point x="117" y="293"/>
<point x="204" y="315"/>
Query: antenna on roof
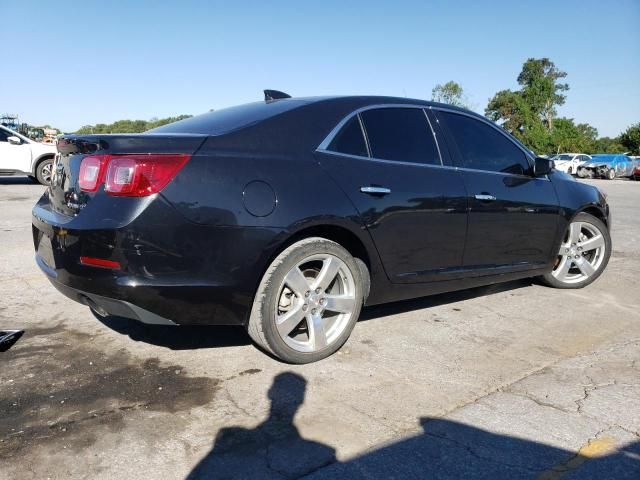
<point x="270" y="95"/>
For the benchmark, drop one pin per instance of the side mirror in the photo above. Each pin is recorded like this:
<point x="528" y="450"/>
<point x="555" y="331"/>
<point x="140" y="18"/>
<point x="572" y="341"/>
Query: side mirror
<point x="542" y="166"/>
<point x="13" y="140"/>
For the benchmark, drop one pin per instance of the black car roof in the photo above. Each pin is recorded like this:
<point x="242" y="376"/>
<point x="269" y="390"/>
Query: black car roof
<point x="373" y="100"/>
<point x="329" y="108"/>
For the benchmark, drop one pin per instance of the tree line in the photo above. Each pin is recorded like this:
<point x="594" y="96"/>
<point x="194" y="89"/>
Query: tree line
<point x="530" y="114"/>
<point x="129" y="126"/>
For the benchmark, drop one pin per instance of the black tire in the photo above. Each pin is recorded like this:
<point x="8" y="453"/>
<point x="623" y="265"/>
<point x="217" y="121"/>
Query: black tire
<point x="41" y="171"/>
<point x="552" y="281"/>
<point x="262" y="322"/>
<point x="570" y="171"/>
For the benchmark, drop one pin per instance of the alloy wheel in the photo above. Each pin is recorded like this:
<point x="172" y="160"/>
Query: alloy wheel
<point x="581" y="253"/>
<point x="47" y="169"/>
<point x="315" y="303"/>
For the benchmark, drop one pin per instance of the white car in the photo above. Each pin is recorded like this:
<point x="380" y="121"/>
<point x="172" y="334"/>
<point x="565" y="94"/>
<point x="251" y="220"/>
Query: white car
<point x="569" y="162"/>
<point x="22" y="156"/>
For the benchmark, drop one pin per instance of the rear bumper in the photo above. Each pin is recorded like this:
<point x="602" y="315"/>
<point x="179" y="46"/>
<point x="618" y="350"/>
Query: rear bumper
<point x="172" y="271"/>
<point x="106" y="306"/>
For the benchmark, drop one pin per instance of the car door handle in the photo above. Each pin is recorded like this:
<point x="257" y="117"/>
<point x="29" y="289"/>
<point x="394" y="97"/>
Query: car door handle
<point x="375" y="190"/>
<point x="485" y="197"/>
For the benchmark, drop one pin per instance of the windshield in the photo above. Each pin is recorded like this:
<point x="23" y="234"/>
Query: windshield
<point x="11" y="133"/>
<point x="562" y="157"/>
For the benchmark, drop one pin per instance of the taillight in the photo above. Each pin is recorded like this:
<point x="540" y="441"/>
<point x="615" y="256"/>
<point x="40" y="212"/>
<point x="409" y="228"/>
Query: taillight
<point x="135" y="175"/>
<point x="92" y="172"/>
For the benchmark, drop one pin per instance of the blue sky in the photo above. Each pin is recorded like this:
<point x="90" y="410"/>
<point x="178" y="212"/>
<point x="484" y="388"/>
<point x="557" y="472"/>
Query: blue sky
<point x="76" y="63"/>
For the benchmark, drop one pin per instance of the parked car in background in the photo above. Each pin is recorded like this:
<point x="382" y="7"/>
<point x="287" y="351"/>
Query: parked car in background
<point x="569" y="162"/>
<point x="607" y="166"/>
<point x="21" y="156"/>
<point x="636" y="167"/>
<point x="286" y="216"/>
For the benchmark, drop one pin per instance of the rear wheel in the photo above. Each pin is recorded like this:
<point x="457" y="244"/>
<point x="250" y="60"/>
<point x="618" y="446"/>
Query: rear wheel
<point x="308" y="301"/>
<point x="44" y="171"/>
<point x="570" y="171"/>
<point x="584" y="253"/>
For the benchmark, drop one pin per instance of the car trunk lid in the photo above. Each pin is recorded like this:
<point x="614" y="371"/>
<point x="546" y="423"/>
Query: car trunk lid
<point x="65" y="195"/>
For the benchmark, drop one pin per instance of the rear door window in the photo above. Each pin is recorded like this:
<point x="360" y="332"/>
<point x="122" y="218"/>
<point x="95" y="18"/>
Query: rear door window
<point x="400" y="134"/>
<point x="482" y="147"/>
<point x="350" y="139"/>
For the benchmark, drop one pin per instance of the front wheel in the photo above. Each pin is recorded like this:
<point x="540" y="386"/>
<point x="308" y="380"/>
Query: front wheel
<point x="611" y="174"/>
<point x="308" y="301"/>
<point x="584" y="253"/>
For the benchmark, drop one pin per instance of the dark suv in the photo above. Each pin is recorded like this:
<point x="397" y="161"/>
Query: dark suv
<point x="287" y="215"/>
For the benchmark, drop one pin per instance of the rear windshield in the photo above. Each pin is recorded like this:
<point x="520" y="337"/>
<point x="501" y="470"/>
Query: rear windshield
<point x="229" y="119"/>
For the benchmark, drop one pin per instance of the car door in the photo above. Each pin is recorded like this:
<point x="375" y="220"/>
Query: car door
<point x="575" y="161"/>
<point x="13" y="157"/>
<point x="513" y="216"/>
<point x="387" y="162"/>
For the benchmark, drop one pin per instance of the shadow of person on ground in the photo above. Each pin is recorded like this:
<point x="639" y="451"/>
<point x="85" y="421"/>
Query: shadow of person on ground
<point x="273" y="449"/>
<point x="178" y="337"/>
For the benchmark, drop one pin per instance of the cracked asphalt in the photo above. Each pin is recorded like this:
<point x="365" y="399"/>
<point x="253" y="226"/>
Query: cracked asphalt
<point x="509" y="381"/>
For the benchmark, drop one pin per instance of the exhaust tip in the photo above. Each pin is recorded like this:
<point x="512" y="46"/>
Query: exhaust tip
<point x="95" y="307"/>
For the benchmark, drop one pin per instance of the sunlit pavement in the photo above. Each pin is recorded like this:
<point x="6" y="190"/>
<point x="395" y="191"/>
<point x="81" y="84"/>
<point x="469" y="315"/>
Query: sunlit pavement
<point x="510" y="381"/>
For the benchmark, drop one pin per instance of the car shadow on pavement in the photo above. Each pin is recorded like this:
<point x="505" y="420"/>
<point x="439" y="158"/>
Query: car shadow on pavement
<point x="178" y="337"/>
<point x="11" y="180"/>
<point x="275" y="449"/>
<point x="375" y="311"/>
<point x="195" y="337"/>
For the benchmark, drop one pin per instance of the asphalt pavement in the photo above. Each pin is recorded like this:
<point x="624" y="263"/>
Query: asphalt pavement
<point x="508" y="381"/>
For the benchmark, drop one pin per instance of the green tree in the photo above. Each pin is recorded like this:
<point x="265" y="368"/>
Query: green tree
<point x="541" y="88"/>
<point x="529" y="113"/>
<point x="630" y="139"/>
<point x="608" y="145"/>
<point x="566" y="136"/>
<point x="451" y="93"/>
<point x="129" y="126"/>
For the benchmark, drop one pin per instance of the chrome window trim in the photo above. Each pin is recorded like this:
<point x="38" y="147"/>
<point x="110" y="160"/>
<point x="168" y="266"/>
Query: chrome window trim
<point x="433" y="132"/>
<point x="323" y="147"/>
<point x="364" y="135"/>
<point x="382" y="160"/>
<point x="429" y="165"/>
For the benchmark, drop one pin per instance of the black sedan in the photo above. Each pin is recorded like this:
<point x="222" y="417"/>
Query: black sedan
<point x="288" y="215"/>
